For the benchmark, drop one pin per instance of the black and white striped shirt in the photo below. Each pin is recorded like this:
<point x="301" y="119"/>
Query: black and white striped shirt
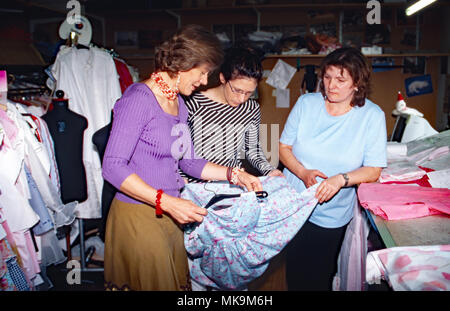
<point x="225" y="135"/>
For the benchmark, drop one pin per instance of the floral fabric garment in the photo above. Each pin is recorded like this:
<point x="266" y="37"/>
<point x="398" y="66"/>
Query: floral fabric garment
<point x="238" y="237"/>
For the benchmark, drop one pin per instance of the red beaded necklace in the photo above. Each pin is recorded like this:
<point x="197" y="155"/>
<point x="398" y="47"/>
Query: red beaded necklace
<point x="164" y="87"/>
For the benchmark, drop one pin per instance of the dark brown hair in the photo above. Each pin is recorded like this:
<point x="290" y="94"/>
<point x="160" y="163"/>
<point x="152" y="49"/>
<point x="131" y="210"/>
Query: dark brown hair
<point x="358" y="68"/>
<point x="241" y="61"/>
<point x="189" y="47"/>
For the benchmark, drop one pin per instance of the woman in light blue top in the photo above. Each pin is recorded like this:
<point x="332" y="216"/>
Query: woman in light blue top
<point x="336" y="137"/>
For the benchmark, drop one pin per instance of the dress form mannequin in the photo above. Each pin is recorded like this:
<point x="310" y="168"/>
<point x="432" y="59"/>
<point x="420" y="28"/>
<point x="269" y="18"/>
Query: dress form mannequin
<point x="100" y="139"/>
<point x="67" y="128"/>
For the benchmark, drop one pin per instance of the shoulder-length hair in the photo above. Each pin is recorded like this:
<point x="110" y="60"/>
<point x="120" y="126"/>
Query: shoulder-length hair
<point x="357" y="66"/>
<point x="188" y="48"/>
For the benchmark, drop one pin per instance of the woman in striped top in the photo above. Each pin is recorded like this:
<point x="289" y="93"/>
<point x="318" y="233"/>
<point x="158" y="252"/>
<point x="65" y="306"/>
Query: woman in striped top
<point x="224" y="120"/>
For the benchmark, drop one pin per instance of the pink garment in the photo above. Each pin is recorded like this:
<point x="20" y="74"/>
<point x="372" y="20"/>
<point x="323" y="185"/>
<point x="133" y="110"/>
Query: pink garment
<point x="9" y="235"/>
<point x="22" y="243"/>
<point x="27" y="254"/>
<point x="8" y="125"/>
<point x="351" y="265"/>
<point x="394" y="202"/>
<point x="418" y="268"/>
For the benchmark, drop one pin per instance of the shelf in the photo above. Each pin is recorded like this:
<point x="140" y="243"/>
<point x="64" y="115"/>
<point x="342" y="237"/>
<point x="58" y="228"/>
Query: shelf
<point x="268" y="7"/>
<point x="381" y="55"/>
<point x="250" y="8"/>
<point x="137" y="57"/>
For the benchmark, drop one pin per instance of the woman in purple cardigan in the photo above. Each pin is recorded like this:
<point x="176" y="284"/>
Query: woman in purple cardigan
<point x="149" y="142"/>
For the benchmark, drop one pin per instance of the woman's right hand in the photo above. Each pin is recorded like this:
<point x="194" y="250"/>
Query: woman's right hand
<point x="181" y="210"/>
<point x="309" y="177"/>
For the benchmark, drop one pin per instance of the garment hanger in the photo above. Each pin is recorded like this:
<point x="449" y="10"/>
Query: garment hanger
<point x="72" y="40"/>
<point x="81" y="47"/>
<point x="219" y="197"/>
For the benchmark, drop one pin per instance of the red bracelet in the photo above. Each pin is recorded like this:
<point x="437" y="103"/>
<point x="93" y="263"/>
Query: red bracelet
<point x="158" y="208"/>
<point x="229" y="169"/>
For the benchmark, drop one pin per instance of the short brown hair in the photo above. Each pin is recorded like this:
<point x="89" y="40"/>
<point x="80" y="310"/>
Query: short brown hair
<point x="189" y="47"/>
<point x="240" y="61"/>
<point x="358" y="68"/>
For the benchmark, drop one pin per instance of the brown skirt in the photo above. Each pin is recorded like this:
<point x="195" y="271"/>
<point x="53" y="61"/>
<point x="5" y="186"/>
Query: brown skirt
<point x="143" y="252"/>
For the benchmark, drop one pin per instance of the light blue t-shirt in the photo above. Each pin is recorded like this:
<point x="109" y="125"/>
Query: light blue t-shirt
<point x="334" y="145"/>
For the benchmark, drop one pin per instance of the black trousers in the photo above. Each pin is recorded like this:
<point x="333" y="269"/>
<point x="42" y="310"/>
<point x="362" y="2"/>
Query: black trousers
<point x="311" y="259"/>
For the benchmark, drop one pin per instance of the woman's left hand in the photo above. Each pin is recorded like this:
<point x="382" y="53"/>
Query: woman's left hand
<point x="248" y="181"/>
<point x="329" y="187"/>
<point x="276" y="172"/>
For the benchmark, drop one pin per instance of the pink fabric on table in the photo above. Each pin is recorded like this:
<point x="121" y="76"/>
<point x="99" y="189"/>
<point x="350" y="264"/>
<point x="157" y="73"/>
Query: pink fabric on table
<point x="394" y="202"/>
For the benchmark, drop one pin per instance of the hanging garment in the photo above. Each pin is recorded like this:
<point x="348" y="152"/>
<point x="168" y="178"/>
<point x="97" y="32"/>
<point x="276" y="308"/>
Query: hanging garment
<point x="2" y="231"/>
<point x="45" y="223"/>
<point x="9" y="235"/>
<point x="393" y="202"/>
<point x="15" y="207"/>
<point x="49" y="144"/>
<point x="6" y="283"/>
<point x="50" y="249"/>
<point x="12" y="152"/>
<point x="125" y="78"/>
<point x="9" y="128"/>
<point x="411" y="268"/>
<point x="238" y="237"/>
<point x="17" y="275"/>
<point x="32" y="137"/>
<point x="12" y="277"/>
<point x="63" y="214"/>
<point x="26" y="150"/>
<point x="351" y="265"/>
<point x="28" y="256"/>
<point x="89" y="80"/>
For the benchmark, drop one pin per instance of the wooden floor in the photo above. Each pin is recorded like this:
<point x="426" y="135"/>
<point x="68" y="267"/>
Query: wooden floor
<point x="274" y="278"/>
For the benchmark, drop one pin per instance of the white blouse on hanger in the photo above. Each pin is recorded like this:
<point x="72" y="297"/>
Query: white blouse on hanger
<point x="90" y="81"/>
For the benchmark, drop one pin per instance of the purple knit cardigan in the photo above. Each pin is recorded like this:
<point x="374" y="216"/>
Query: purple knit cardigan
<point x="149" y="142"/>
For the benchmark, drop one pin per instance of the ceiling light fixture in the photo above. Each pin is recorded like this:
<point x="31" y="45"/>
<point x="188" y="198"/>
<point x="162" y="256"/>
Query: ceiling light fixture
<point x="419" y="5"/>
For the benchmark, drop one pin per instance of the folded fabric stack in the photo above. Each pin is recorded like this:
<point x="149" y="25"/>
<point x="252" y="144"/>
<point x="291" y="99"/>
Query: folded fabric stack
<point x="409" y="163"/>
<point x="394" y="202"/>
<point x="418" y="268"/>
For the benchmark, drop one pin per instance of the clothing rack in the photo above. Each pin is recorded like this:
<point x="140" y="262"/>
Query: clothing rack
<point x="27" y="91"/>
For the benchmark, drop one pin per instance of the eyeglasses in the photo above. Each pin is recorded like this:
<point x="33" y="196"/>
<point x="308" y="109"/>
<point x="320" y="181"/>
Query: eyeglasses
<point x="239" y="91"/>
